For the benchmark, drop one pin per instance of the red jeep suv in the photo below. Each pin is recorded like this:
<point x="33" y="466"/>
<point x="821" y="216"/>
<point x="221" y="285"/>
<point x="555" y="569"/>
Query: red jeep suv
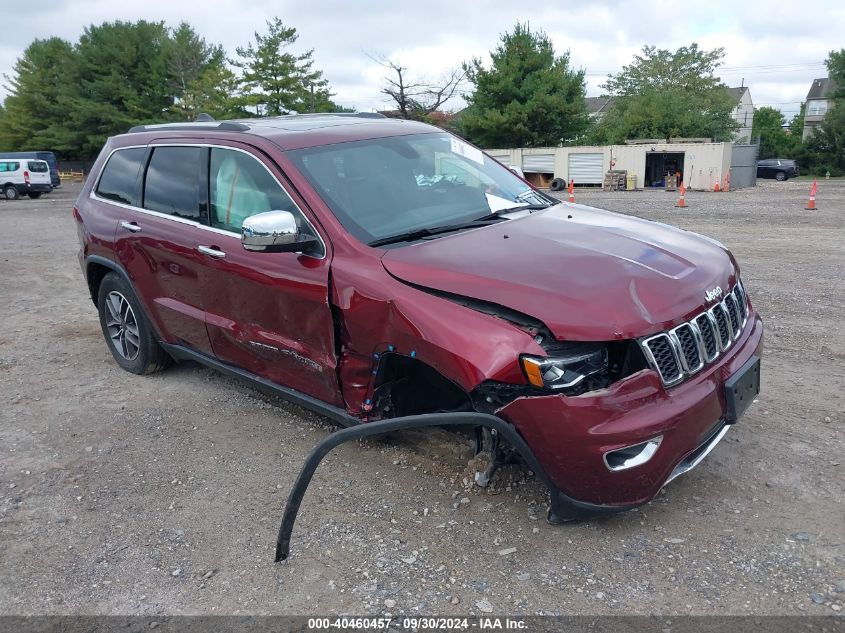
<point x="379" y="270"/>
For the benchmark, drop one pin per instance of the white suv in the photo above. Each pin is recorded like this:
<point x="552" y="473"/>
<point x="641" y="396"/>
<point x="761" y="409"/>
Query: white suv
<point x="30" y="177"/>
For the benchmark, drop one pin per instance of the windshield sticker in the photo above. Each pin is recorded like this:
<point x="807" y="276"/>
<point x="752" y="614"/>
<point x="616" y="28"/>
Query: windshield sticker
<point x="467" y="151"/>
<point x="497" y="204"/>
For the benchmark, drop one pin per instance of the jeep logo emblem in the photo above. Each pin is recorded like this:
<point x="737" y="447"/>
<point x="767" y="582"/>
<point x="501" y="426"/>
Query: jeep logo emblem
<point x="713" y="293"/>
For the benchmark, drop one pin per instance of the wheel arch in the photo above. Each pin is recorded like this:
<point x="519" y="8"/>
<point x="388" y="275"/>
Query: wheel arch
<point x="96" y="268"/>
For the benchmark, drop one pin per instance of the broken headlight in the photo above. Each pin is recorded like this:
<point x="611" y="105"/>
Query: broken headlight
<point x="566" y="368"/>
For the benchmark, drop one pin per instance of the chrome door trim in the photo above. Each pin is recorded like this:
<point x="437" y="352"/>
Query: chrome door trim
<point x="199" y="225"/>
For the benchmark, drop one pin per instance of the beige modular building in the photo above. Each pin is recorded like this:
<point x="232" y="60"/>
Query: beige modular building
<point x="701" y="165"/>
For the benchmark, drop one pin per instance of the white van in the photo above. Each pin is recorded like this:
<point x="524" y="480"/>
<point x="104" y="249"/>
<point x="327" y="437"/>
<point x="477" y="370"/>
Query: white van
<point x="24" y="176"/>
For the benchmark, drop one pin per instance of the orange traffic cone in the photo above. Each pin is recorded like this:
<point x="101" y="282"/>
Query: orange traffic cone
<point x="681" y="201"/>
<point x="716" y="186"/>
<point x="811" y="205"/>
<point x="571" y="192"/>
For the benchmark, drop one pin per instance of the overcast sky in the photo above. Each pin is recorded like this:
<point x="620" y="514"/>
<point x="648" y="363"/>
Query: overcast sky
<point x="776" y="47"/>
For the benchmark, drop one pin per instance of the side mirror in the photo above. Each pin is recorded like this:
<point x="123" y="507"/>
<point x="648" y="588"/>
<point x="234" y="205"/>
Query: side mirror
<point x="274" y="232"/>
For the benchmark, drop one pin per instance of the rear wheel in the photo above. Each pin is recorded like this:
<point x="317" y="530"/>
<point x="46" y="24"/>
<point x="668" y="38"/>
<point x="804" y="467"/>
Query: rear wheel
<point x="780" y="176"/>
<point x="126" y="329"/>
<point x="35" y="195"/>
<point x="11" y="192"/>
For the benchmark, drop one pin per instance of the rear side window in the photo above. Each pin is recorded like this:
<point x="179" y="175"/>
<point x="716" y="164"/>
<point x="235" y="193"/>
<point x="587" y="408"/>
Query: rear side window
<point x="38" y="167"/>
<point x="119" y="181"/>
<point x="7" y="166"/>
<point x="173" y="181"/>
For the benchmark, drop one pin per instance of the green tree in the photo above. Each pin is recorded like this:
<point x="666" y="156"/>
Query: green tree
<point x="768" y="127"/>
<point x="119" y="80"/>
<point x="824" y="151"/>
<point x="528" y="97"/>
<point x="198" y="76"/>
<point x="668" y="94"/>
<point x="796" y="125"/>
<point x="33" y="111"/>
<point x="275" y="81"/>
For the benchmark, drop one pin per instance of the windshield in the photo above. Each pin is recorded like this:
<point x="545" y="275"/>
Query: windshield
<point x="383" y="187"/>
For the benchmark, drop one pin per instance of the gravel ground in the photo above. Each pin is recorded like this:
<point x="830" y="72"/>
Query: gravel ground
<point x="122" y="494"/>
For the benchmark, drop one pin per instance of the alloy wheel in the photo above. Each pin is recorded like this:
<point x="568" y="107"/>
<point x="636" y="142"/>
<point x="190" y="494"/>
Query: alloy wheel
<point x="122" y="326"/>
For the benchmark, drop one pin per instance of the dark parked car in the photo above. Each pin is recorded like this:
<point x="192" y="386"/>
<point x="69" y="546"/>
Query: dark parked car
<point x="777" y="168"/>
<point x="376" y="269"/>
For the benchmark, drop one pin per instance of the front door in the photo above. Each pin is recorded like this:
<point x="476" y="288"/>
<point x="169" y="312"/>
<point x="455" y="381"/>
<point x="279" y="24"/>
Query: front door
<point x="267" y="313"/>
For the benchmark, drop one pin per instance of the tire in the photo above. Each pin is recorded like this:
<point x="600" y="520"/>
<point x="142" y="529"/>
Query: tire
<point x="558" y="184"/>
<point x="127" y="331"/>
<point x="780" y="176"/>
<point x="34" y="195"/>
<point x="11" y="192"/>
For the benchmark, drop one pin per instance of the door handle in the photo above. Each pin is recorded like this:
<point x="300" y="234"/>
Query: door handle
<point x="130" y="226"/>
<point x="211" y="251"/>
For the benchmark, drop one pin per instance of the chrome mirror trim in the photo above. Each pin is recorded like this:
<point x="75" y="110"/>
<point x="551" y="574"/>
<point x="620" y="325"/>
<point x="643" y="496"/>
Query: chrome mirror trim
<point x="263" y="231"/>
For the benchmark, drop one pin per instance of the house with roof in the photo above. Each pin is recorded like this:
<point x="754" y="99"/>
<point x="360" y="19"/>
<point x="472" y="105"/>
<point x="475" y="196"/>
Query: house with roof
<point x="819" y="101"/>
<point x="743" y="113"/>
<point x="598" y="106"/>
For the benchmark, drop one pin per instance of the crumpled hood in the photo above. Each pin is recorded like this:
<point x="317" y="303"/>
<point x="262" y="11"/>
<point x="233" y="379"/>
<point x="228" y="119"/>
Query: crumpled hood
<point x="586" y="273"/>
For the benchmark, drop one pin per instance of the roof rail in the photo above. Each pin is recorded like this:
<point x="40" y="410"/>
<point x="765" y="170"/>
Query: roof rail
<point x="223" y="126"/>
<point x="353" y="115"/>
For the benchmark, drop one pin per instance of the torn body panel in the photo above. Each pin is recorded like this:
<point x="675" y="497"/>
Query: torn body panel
<point x="383" y="315"/>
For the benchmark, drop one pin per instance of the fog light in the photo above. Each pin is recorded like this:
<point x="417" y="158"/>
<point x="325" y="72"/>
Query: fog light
<point x="632" y="456"/>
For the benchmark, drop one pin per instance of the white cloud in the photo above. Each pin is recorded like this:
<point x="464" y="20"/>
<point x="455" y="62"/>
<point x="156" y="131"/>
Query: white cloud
<point x="432" y="37"/>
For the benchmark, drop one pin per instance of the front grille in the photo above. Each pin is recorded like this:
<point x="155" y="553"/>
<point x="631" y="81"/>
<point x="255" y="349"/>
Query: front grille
<point x="720" y="314"/>
<point x="664" y="358"/>
<point x="708" y="335"/>
<point x="733" y="313"/>
<point x="685" y="349"/>
<point x="688" y="347"/>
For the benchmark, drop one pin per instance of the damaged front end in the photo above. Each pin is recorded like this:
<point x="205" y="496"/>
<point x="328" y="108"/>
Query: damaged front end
<point x="423" y="375"/>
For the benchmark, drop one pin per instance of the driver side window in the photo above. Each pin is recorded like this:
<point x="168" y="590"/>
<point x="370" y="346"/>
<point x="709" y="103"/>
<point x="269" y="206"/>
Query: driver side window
<point x="240" y="186"/>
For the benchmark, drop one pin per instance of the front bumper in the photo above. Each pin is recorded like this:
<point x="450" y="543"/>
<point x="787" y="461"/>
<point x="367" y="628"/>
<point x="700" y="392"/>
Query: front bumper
<point x="571" y="435"/>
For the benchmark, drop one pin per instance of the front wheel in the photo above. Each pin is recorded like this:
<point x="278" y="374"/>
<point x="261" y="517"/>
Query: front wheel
<point x="125" y="327"/>
<point x="11" y="192"/>
<point x="780" y="176"/>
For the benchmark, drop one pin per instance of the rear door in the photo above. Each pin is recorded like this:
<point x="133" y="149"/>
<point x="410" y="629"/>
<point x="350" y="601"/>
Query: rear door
<point x="39" y="172"/>
<point x="266" y="312"/>
<point x="157" y="239"/>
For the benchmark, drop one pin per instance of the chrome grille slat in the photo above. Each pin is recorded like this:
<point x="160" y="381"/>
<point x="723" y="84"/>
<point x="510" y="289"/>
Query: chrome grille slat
<point x="723" y="326"/>
<point x="707" y="331"/>
<point x="687" y="348"/>
<point x="742" y="302"/>
<point x="733" y="314"/>
<point x="663" y="356"/>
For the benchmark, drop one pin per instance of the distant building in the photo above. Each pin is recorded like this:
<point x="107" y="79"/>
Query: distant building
<point x="819" y="101"/>
<point x="743" y="113"/>
<point x="598" y="106"/>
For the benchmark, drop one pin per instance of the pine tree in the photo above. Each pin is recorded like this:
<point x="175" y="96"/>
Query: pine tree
<point x="528" y="97"/>
<point x="275" y="81"/>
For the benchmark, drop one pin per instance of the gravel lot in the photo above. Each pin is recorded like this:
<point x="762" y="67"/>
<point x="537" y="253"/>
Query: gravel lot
<point x="162" y="494"/>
